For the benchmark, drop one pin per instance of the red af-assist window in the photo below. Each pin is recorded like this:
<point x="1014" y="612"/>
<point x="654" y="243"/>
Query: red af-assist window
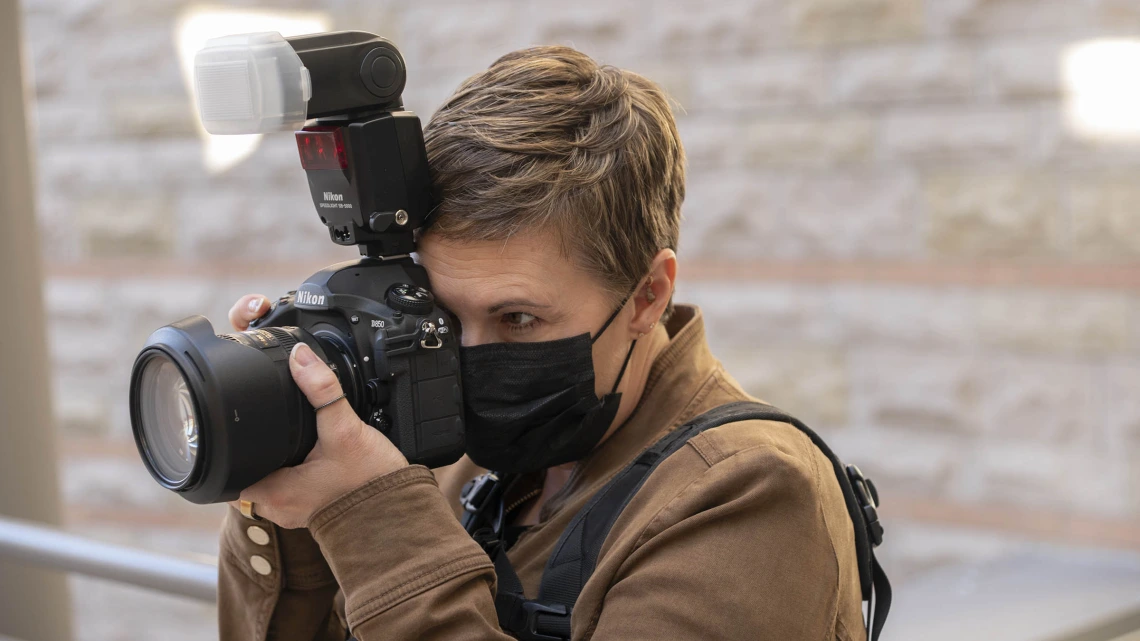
<point x="322" y="148"/>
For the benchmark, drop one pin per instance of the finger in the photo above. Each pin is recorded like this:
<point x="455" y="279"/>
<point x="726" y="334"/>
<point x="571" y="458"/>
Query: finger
<point x="320" y="385"/>
<point x="248" y="308"/>
<point x="258" y="508"/>
<point x="269" y="498"/>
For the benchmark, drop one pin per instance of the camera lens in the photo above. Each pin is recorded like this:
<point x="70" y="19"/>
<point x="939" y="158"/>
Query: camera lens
<point x="213" y="414"/>
<point x="169" y="423"/>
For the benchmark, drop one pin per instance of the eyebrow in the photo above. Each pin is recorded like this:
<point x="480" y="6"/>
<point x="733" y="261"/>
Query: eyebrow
<point x="514" y="303"/>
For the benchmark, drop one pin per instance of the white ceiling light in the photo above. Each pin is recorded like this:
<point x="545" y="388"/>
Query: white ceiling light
<point x="197" y="25"/>
<point x="1102" y="89"/>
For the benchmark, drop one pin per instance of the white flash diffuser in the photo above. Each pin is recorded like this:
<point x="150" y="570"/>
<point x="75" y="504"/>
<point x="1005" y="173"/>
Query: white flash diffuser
<point x="251" y="83"/>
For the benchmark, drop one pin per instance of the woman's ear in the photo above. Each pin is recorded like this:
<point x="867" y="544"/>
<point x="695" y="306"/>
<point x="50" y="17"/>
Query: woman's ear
<point x="654" y="293"/>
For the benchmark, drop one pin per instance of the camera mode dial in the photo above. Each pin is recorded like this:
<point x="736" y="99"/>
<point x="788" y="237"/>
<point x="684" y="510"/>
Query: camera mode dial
<point x="410" y="299"/>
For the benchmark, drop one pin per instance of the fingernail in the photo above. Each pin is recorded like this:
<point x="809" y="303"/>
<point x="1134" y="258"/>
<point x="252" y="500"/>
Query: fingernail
<point x="255" y="305"/>
<point x="304" y="355"/>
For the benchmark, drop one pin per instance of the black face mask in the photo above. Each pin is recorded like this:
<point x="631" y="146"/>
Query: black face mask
<point x="530" y="406"/>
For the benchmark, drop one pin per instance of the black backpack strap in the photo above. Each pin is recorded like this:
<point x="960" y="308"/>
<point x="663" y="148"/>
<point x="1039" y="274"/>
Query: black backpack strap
<point x="526" y="619"/>
<point x="575" y="556"/>
<point x="879" y="602"/>
<point x="483" y="518"/>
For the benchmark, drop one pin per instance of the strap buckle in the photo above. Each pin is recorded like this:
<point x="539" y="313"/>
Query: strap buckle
<point x="868" y="498"/>
<point x="477" y="492"/>
<point x="534" y="610"/>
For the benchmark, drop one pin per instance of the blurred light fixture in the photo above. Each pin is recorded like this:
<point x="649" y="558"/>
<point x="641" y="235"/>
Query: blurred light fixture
<point x="198" y="24"/>
<point x="1101" y="79"/>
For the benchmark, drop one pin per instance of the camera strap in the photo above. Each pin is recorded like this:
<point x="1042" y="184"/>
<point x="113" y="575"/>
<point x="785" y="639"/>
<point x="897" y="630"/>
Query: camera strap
<point x="575" y="556"/>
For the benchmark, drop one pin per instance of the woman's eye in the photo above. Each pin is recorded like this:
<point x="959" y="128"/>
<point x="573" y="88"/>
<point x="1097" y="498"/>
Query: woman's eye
<point x="518" y="318"/>
<point x="519" y="321"/>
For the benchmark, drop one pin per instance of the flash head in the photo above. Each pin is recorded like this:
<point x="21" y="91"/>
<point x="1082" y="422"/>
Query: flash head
<point x="262" y="82"/>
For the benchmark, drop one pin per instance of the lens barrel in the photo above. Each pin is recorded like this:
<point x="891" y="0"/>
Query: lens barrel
<point x="212" y="415"/>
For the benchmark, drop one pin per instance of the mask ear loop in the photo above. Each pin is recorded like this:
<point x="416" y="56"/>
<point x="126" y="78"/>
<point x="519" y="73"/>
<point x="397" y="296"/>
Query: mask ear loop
<point x="609" y="320"/>
<point x="629" y="354"/>
<point x="624" y="364"/>
<point x="617" y="311"/>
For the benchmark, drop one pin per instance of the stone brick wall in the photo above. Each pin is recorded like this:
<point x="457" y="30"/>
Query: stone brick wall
<point x="889" y="226"/>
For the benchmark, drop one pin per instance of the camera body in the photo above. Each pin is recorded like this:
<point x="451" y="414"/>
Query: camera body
<point x="392" y="348"/>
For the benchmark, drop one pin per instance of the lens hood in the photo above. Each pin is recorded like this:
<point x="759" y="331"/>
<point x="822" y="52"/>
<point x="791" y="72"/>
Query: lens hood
<point x="253" y="418"/>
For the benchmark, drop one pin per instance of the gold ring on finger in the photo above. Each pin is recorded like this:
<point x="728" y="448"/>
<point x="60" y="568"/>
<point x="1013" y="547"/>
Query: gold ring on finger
<point x="246" y="509"/>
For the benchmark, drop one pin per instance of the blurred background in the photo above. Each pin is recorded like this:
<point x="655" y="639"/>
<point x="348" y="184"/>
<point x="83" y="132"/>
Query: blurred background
<point x="913" y="223"/>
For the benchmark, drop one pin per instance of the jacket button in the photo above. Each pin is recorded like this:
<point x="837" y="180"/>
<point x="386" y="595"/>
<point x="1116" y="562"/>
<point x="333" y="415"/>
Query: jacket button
<point x="257" y="535"/>
<point x="260" y="565"/>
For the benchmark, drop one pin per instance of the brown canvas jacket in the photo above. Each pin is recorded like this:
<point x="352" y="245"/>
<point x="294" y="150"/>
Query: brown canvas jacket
<point x="742" y="534"/>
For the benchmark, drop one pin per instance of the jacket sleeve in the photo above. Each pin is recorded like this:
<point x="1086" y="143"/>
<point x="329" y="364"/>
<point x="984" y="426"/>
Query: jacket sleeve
<point x="273" y="584"/>
<point x="406" y="566"/>
<point x="743" y="550"/>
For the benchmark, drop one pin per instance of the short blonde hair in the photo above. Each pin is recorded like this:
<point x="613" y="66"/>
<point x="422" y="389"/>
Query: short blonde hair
<point x="546" y="138"/>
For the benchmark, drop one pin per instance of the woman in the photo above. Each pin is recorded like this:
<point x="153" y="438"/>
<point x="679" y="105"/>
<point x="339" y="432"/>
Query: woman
<point x="560" y="186"/>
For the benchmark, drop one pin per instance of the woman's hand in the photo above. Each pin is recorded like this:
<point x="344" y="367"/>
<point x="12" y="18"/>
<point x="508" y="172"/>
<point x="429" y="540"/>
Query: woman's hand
<point x="348" y="453"/>
<point x="248" y="309"/>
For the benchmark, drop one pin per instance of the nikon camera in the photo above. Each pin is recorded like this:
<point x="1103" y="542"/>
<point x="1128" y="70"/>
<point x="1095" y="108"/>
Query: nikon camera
<point x="213" y="414"/>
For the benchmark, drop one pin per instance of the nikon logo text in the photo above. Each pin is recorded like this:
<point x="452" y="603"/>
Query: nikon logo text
<point x="334" y="197"/>
<point x="310" y="299"/>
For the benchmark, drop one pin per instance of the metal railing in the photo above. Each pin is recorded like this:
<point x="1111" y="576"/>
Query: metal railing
<point x="34" y="544"/>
